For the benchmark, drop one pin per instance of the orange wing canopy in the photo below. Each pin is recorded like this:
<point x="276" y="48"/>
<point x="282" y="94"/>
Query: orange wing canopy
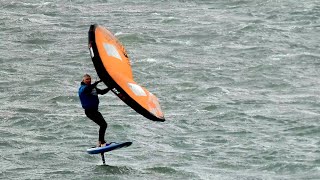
<point x="113" y="68"/>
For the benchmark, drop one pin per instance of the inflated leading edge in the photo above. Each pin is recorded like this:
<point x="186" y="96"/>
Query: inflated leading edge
<point x="113" y="68"/>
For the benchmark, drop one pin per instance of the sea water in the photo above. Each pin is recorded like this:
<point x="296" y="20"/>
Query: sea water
<point x="237" y="80"/>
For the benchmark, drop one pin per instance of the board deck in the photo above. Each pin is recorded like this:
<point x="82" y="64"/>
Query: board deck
<point x="110" y="147"/>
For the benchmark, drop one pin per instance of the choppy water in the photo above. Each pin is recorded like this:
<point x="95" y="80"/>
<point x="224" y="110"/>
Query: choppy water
<point x="238" y="81"/>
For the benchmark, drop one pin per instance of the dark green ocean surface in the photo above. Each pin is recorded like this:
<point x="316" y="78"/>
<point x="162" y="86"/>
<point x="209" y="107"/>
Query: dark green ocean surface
<point x="238" y="81"/>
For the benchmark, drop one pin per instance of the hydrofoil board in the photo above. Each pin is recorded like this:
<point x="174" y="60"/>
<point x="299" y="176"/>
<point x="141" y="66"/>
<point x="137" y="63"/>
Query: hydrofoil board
<point x="109" y="147"/>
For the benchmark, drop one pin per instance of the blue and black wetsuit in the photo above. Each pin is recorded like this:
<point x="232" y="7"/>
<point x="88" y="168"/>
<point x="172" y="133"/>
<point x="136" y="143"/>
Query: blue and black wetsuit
<point x="90" y="102"/>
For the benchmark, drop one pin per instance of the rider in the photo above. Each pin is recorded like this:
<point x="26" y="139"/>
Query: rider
<point x="88" y="94"/>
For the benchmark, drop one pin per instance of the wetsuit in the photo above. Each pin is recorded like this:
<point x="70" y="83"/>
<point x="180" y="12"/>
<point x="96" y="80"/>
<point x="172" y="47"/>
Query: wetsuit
<point x="90" y="102"/>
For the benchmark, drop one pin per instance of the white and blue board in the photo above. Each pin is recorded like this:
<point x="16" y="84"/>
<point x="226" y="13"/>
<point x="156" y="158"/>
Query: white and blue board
<point x="110" y="147"/>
